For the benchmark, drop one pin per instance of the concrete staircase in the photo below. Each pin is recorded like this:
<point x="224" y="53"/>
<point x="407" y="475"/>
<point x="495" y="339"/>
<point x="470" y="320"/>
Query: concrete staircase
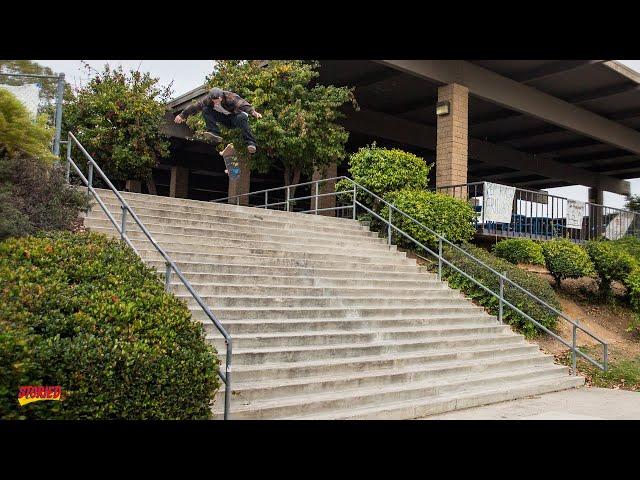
<point x="327" y="321"/>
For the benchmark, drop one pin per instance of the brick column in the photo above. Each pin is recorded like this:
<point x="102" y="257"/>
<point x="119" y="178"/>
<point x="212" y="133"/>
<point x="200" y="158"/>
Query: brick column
<point x="329" y="201"/>
<point x="179" y="185"/>
<point x="452" y="140"/>
<point x="241" y="184"/>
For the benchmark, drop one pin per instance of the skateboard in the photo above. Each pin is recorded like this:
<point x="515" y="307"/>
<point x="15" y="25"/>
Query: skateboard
<point x="231" y="161"/>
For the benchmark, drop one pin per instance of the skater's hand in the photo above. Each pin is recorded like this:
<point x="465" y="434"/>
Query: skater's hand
<point x="179" y="119"/>
<point x="256" y="114"/>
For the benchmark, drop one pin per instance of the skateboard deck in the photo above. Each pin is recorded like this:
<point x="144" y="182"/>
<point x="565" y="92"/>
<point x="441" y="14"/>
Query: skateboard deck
<point x="231" y="161"/>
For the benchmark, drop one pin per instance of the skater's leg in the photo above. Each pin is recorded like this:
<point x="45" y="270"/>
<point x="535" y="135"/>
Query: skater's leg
<point x="241" y="121"/>
<point x="211" y="119"/>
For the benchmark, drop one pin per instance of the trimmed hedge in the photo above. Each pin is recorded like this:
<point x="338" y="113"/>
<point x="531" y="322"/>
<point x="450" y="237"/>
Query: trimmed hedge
<point x="519" y="250"/>
<point x="383" y="170"/>
<point x="450" y="217"/>
<point x="83" y="312"/>
<point x="530" y="281"/>
<point x="611" y="262"/>
<point x="565" y="259"/>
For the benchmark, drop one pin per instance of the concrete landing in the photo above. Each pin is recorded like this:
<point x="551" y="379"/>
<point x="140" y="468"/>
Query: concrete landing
<point x="575" y="404"/>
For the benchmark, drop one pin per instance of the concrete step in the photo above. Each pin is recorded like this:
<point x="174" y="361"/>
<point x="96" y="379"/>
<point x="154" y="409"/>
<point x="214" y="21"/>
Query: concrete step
<point x="338" y="337"/>
<point x="252" y="264"/>
<point x="232" y="313"/>
<point x="373" y="396"/>
<point x="314" y="325"/>
<point x="215" y="236"/>
<point x="509" y="389"/>
<point x="237" y="224"/>
<point x="252" y="289"/>
<point x="334" y="366"/>
<point x="258" y="355"/>
<point x="326" y="277"/>
<point x="182" y="206"/>
<point x="282" y="301"/>
<point x="245" y="393"/>
<point x="186" y="245"/>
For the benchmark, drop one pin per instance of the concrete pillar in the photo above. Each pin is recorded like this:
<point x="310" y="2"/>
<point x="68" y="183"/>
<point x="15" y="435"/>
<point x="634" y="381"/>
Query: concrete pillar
<point x="596" y="220"/>
<point x="241" y="184"/>
<point x="329" y="201"/>
<point x="179" y="185"/>
<point x="452" y="146"/>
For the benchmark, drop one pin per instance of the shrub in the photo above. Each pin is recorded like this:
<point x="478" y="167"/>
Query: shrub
<point x="565" y="259"/>
<point x="519" y="250"/>
<point x="84" y="312"/>
<point x="629" y="244"/>
<point x="383" y="170"/>
<point x="529" y="281"/>
<point x="447" y="216"/>
<point x="35" y="196"/>
<point x="611" y="262"/>
<point x="632" y="282"/>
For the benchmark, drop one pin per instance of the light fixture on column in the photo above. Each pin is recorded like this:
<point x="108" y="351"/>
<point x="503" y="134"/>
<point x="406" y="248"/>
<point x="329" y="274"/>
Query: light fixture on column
<point x="442" y="108"/>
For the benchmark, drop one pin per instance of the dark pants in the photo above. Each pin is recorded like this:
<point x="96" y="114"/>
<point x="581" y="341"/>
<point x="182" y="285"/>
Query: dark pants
<point x="233" y="120"/>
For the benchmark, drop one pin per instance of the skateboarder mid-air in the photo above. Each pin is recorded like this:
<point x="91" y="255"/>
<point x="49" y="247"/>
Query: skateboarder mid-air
<point x="229" y="109"/>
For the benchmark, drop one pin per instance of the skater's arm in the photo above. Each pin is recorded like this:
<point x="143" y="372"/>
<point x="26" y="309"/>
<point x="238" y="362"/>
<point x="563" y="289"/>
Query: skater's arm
<point x="244" y="106"/>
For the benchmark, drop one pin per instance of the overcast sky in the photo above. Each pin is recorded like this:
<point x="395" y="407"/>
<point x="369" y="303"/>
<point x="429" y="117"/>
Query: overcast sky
<point x="189" y="74"/>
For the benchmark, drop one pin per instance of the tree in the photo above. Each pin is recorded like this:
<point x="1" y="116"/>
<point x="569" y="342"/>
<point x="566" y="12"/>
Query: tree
<point x="297" y="132"/>
<point x="47" y="86"/>
<point x="633" y="203"/>
<point x="117" y="117"/>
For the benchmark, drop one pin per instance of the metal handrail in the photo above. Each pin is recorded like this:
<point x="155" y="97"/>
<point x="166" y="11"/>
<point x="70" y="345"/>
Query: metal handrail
<point x="575" y="351"/>
<point x="170" y="265"/>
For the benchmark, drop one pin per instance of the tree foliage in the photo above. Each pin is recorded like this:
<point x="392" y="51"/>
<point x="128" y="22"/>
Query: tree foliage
<point x="19" y="133"/>
<point x="117" y="117"/>
<point x="46" y="86"/>
<point x="298" y="131"/>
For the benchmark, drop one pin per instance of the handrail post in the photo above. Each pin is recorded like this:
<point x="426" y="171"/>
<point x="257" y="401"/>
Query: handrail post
<point x="605" y="363"/>
<point x="123" y="222"/>
<point x="439" y="258"/>
<point x="90" y="179"/>
<point x="354" y="203"/>
<point x="68" y="171"/>
<point x="288" y="194"/>
<point x="573" y="351"/>
<point x="167" y="276"/>
<point x="501" y="307"/>
<point x="389" y="228"/>
<point x="266" y="198"/>
<point x="58" y="121"/>
<point x="237" y="200"/>
<point x="227" y="380"/>
<point x="317" y="192"/>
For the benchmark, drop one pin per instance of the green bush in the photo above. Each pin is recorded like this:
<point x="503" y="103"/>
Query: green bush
<point x="35" y="196"/>
<point x="565" y="259"/>
<point x="632" y="282"/>
<point x="629" y="244"/>
<point x="529" y="281"/>
<point x="382" y="171"/>
<point x="447" y="216"/>
<point x="83" y="312"/>
<point x="519" y="250"/>
<point x="611" y="262"/>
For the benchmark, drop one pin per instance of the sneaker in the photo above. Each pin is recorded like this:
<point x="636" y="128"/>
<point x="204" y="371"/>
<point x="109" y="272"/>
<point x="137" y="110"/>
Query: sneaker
<point x="211" y="137"/>
<point x="251" y="149"/>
